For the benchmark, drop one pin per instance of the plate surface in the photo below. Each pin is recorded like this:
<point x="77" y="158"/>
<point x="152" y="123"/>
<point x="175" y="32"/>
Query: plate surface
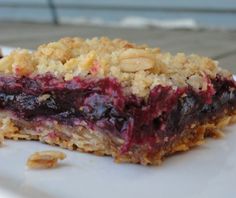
<point x="205" y="171"/>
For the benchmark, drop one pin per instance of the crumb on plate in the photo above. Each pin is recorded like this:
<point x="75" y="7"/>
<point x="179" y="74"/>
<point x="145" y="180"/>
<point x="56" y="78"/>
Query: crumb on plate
<point x="1" y="138"/>
<point x="45" y="159"/>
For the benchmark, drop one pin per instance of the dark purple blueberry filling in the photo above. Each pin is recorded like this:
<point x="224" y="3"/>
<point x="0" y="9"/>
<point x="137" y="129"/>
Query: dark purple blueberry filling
<point x="101" y="104"/>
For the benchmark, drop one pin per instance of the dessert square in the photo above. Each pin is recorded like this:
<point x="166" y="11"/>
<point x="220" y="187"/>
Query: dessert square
<point x="112" y="97"/>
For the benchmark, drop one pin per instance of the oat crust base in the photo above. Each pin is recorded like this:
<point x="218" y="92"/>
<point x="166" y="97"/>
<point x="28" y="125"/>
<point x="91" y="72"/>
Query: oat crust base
<point x="99" y="143"/>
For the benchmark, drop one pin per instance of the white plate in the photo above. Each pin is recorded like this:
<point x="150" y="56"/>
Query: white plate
<point x="206" y="171"/>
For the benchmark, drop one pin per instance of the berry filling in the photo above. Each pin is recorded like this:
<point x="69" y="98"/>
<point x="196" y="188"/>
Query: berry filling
<point x="102" y="104"/>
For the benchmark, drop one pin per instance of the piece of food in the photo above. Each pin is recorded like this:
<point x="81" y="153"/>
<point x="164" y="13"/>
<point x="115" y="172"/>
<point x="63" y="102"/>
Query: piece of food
<point x="112" y="97"/>
<point x="1" y="138"/>
<point x="45" y="159"/>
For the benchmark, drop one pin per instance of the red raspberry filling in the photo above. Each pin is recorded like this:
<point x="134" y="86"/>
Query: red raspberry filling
<point x="102" y="104"/>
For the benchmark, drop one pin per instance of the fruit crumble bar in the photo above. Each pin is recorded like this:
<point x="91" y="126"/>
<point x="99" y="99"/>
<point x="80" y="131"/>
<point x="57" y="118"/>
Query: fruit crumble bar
<point x="112" y="97"/>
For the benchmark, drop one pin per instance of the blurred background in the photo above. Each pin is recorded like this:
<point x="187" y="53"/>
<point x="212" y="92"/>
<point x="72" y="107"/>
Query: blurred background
<point x="205" y="27"/>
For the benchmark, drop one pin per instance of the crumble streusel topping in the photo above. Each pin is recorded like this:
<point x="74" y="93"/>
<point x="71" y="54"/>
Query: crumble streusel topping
<point x="138" y="67"/>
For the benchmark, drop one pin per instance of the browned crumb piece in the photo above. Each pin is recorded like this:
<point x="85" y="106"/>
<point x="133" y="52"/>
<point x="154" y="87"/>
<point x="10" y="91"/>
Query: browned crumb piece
<point x="1" y="138"/>
<point x="45" y="159"/>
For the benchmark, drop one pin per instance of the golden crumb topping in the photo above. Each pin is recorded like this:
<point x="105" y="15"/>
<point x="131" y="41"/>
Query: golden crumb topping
<point x="138" y="67"/>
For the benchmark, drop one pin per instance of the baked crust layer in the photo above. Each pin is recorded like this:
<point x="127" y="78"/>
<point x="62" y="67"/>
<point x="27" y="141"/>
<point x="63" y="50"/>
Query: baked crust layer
<point x="100" y="143"/>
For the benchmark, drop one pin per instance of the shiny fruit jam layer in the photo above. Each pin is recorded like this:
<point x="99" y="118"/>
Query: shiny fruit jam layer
<point x="103" y="105"/>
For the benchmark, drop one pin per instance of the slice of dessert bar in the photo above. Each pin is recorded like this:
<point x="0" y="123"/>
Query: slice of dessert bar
<point x="112" y="97"/>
